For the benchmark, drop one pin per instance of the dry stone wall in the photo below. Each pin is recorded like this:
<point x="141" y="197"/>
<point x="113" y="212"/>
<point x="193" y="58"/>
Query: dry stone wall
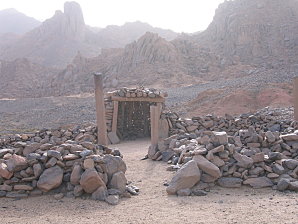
<point x="64" y="162"/>
<point x="254" y="149"/>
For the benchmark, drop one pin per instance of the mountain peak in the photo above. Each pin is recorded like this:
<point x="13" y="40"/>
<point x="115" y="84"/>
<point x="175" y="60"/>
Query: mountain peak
<point x="73" y="10"/>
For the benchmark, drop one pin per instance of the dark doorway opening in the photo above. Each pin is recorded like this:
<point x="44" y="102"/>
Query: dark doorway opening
<point x="133" y="120"/>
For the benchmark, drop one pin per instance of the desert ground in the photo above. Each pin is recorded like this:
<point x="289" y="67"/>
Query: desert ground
<point x="245" y="205"/>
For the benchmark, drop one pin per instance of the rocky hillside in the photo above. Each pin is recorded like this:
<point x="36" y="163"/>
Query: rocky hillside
<point x="254" y="32"/>
<point x="23" y="78"/>
<point x="248" y="50"/>
<point x="12" y="21"/>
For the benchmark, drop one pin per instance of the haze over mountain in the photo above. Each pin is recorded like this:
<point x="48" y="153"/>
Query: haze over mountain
<point x="250" y="44"/>
<point x="12" y="21"/>
<point x="57" y="40"/>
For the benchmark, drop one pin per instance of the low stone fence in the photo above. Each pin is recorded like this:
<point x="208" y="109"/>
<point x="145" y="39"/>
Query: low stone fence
<point x="253" y="150"/>
<point x="64" y="162"/>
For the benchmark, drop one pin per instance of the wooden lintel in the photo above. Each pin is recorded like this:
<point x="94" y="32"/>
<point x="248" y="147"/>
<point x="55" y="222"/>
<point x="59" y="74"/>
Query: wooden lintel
<point x="138" y="99"/>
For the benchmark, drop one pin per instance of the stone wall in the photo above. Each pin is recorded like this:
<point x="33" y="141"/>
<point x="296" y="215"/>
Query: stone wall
<point x="252" y="149"/>
<point x="64" y="162"/>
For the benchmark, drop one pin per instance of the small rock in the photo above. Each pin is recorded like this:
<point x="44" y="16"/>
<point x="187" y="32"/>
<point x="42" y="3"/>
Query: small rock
<point x="184" y="192"/>
<point x="59" y="196"/>
<point x="100" y="194"/>
<point x="112" y="199"/>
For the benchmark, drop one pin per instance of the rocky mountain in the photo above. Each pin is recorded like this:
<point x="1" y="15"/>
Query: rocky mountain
<point x="249" y="46"/>
<point x="57" y="40"/>
<point x="256" y="32"/>
<point x="12" y="21"/>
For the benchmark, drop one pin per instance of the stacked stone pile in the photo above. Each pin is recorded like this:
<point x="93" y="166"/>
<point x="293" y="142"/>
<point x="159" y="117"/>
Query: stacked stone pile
<point x="137" y="92"/>
<point x="64" y="163"/>
<point x="253" y="150"/>
<point x="260" y="120"/>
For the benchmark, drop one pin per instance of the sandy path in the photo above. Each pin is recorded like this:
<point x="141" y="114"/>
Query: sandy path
<point x="153" y="205"/>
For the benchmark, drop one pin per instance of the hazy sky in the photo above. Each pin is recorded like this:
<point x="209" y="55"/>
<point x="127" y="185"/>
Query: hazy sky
<point x="178" y="15"/>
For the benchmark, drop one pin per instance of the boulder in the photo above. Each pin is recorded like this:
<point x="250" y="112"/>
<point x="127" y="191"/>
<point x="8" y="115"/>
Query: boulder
<point x="50" y="179"/>
<point x="5" y="151"/>
<point x="206" y="166"/>
<point x="270" y="137"/>
<point x="184" y="192"/>
<point x="76" y="175"/>
<point x="290" y="163"/>
<point x="113" y="137"/>
<point x="31" y="148"/>
<point x="88" y="164"/>
<point x="289" y="137"/>
<point x="90" y="181"/>
<point x="259" y="182"/>
<point x="243" y="161"/>
<point x="220" y="138"/>
<point x="283" y="184"/>
<point x="100" y="194"/>
<point x="230" y="182"/>
<point x="293" y="186"/>
<point x="114" y="164"/>
<point x="118" y="181"/>
<point x="186" y="177"/>
<point x="112" y="199"/>
<point x="4" y="171"/>
<point x="37" y="170"/>
<point x="17" y="163"/>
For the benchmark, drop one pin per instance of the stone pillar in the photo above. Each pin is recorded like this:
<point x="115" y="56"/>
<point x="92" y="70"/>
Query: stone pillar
<point x="100" y="110"/>
<point x="296" y="98"/>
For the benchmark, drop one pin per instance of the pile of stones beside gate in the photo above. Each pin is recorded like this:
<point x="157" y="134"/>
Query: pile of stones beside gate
<point x="253" y="149"/>
<point x="62" y="162"/>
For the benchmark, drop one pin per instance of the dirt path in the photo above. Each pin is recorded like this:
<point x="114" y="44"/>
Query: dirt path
<point x="153" y="205"/>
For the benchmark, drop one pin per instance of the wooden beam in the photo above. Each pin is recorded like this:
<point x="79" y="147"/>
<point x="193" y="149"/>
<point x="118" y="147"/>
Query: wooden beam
<point x="100" y="110"/>
<point x="144" y="99"/>
<point x="296" y="98"/>
<point x="115" y="117"/>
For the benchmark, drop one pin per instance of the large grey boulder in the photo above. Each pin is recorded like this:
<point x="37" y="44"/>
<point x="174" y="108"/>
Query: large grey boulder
<point x="50" y="179"/>
<point x="207" y="166"/>
<point x="114" y="164"/>
<point x="118" y="181"/>
<point x="259" y="182"/>
<point x="186" y="177"/>
<point x="230" y="182"/>
<point x="90" y="181"/>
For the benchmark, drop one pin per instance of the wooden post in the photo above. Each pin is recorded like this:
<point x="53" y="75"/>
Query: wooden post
<point x="115" y="117"/>
<point x="154" y="116"/>
<point x="100" y="110"/>
<point x="296" y="98"/>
